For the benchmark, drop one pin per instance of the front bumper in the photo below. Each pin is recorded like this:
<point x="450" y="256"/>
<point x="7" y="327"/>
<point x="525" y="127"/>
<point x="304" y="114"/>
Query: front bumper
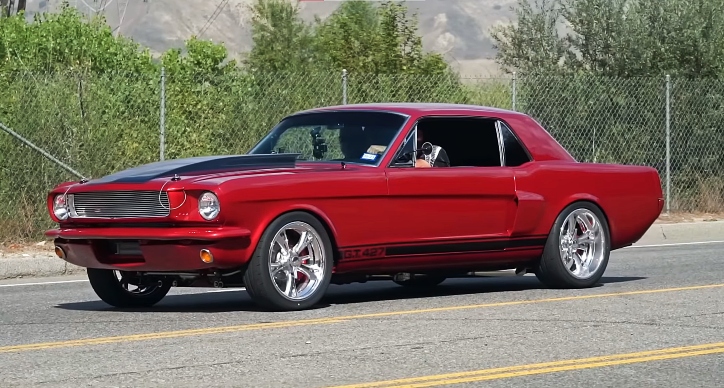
<point x="153" y="249"/>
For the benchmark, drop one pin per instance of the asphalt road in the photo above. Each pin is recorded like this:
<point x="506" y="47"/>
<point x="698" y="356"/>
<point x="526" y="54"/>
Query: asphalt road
<point x="657" y="320"/>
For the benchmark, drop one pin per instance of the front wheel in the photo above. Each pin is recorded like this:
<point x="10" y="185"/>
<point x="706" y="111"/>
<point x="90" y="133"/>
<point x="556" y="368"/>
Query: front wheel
<point x="292" y="265"/>
<point x="122" y="289"/>
<point x="578" y="247"/>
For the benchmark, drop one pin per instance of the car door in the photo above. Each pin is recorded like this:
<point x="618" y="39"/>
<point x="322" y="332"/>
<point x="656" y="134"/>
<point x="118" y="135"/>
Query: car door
<point x="463" y="208"/>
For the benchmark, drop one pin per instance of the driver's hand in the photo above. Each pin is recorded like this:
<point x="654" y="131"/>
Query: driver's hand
<point x="421" y="163"/>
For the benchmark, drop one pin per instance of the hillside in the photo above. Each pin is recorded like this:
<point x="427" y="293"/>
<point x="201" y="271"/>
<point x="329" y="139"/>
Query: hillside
<point x="457" y="28"/>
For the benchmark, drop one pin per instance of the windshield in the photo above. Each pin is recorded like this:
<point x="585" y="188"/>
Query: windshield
<point x="349" y="136"/>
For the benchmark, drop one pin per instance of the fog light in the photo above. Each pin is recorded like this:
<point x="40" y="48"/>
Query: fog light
<point x="60" y="252"/>
<point x="206" y="256"/>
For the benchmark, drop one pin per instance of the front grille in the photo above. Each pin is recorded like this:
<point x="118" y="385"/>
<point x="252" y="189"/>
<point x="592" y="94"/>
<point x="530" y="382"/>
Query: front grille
<point x="119" y="204"/>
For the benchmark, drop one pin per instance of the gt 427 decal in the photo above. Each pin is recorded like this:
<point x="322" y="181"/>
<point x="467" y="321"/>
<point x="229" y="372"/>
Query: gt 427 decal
<point x="363" y="253"/>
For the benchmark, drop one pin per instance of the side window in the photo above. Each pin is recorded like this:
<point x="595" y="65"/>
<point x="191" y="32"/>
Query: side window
<point x="467" y="141"/>
<point x="515" y="153"/>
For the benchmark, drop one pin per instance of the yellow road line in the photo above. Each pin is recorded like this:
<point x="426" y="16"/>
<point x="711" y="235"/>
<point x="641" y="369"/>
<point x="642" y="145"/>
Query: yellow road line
<point x="547" y="367"/>
<point x="166" y="334"/>
<point x="531" y="301"/>
<point x="329" y="320"/>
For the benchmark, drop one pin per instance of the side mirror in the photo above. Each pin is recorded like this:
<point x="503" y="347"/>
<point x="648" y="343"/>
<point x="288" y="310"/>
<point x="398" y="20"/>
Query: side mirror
<point x="426" y="148"/>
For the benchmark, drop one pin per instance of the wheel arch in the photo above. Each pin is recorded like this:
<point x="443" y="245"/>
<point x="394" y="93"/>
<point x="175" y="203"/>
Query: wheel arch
<point x="590" y="200"/>
<point x="318" y="215"/>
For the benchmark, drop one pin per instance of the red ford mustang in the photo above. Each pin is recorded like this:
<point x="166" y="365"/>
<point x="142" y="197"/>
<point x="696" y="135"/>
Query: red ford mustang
<point x="414" y="193"/>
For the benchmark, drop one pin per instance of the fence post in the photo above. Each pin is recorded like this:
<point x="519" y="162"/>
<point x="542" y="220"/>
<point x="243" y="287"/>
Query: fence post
<point x="162" y="129"/>
<point x="668" y="143"/>
<point x="514" y="91"/>
<point x="344" y="86"/>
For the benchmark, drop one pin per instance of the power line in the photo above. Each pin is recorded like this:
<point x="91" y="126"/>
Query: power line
<point x="213" y="17"/>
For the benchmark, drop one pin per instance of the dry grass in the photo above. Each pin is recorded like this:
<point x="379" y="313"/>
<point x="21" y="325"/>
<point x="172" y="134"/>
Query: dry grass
<point x="679" y="217"/>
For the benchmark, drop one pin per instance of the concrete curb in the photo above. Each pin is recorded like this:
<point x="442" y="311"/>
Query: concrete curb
<point x="685" y="232"/>
<point x="35" y="266"/>
<point x="43" y="263"/>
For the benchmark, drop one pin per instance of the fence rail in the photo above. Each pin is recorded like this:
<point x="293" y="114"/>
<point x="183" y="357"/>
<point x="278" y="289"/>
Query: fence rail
<point x="63" y="125"/>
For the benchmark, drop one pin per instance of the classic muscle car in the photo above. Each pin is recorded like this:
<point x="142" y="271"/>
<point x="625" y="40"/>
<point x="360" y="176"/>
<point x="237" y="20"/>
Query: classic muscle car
<point x="337" y="194"/>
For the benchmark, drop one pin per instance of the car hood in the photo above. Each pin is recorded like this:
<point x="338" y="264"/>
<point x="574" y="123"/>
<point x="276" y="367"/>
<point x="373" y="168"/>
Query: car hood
<point x="198" y="167"/>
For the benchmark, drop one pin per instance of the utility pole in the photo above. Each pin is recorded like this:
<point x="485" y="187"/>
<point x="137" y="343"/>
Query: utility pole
<point x="5" y="7"/>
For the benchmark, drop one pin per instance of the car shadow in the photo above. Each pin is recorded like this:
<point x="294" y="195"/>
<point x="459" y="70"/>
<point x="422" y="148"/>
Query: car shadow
<point x="374" y="291"/>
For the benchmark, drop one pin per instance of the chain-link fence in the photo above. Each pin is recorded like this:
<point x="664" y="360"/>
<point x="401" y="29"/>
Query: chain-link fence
<point x="95" y="124"/>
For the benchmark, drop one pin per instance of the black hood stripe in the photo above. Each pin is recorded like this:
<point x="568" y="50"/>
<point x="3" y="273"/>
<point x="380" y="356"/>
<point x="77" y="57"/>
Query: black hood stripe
<point x="198" y="165"/>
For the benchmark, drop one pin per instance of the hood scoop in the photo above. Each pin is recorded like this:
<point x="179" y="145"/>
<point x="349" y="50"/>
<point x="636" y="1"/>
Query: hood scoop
<point x="197" y="166"/>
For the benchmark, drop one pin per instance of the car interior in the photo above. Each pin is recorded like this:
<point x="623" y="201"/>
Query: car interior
<point x="472" y="141"/>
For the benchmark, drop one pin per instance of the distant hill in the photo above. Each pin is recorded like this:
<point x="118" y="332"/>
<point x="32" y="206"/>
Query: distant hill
<point x="457" y="28"/>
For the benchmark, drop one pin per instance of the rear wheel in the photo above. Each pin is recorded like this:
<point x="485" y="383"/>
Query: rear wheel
<point x="124" y="289"/>
<point x="578" y="248"/>
<point x="292" y="265"/>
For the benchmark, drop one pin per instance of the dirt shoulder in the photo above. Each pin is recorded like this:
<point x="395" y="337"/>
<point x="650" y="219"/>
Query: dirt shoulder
<point x="689" y="217"/>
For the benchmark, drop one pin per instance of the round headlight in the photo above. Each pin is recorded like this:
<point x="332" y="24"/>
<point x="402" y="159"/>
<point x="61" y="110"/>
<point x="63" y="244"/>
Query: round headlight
<point x="209" y="206"/>
<point x="60" y="207"/>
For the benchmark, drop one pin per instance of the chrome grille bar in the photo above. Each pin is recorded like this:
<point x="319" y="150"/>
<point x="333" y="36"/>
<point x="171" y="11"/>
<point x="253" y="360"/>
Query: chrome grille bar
<point x="119" y="204"/>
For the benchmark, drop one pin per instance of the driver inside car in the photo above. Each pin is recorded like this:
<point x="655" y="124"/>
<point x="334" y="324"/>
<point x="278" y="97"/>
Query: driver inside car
<point x="352" y="142"/>
<point x="437" y="158"/>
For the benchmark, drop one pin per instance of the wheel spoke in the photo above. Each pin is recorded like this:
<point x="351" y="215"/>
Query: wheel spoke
<point x="305" y="259"/>
<point x="283" y="243"/>
<point x="586" y="223"/>
<point x="290" y="283"/>
<point x="276" y="269"/>
<point x="577" y="259"/>
<point x="565" y="256"/>
<point x="304" y="240"/>
<point x="310" y="272"/>
<point x="586" y="239"/>
<point x="571" y="226"/>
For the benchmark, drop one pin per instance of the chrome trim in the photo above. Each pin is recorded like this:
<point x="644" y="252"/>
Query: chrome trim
<point x="119" y="204"/>
<point x="501" y="143"/>
<point x="504" y="126"/>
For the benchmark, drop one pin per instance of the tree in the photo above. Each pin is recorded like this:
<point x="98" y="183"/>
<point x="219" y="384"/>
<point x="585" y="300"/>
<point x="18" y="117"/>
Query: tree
<point x="615" y="37"/>
<point x="281" y="40"/>
<point x="374" y="39"/>
<point x="62" y="40"/>
<point x="358" y="36"/>
<point x="348" y="39"/>
<point x="615" y="55"/>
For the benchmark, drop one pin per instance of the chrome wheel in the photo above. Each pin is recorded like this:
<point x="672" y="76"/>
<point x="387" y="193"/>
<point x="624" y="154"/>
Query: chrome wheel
<point x="297" y="261"/>
<point x="582" y="243"/>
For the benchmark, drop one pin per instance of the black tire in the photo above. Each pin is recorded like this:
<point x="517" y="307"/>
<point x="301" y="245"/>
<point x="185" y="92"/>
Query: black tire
<point x="258" y="279"/>
<point x="421" y="281"/>
<point x="109" y="288"/>
<point x="551" y="269"/>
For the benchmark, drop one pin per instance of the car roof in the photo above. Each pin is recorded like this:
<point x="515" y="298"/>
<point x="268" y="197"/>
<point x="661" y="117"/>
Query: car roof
<point x="536" y="139"/>
<point x="413" y="108"/>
